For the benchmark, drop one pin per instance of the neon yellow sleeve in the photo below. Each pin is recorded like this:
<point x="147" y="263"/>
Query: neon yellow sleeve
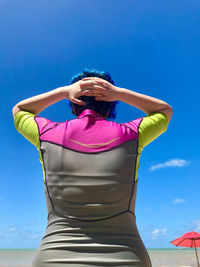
<point x="26" y="125"/>
<point x="151" y="127"/>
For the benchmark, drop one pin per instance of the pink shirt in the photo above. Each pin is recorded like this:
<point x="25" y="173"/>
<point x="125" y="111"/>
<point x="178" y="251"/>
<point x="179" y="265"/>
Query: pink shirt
<point x="89" y="132"/>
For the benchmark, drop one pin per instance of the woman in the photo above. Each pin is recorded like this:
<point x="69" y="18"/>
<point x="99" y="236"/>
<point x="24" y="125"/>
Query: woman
<point x="90" y="169"/>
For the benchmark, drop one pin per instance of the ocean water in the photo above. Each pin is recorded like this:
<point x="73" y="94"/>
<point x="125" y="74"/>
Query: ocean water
<point x="159" y="257"/>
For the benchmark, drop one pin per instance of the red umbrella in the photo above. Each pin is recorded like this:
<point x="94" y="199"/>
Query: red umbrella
<point x="191" y="240"/>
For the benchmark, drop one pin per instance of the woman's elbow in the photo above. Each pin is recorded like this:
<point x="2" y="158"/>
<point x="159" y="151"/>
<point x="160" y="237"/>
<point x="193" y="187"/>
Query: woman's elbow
<point x="169" y="112"/>
<point x="15" y="109"/>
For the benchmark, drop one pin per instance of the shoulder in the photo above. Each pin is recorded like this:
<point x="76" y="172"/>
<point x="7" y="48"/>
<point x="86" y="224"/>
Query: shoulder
<point x="155" y="119"/>
<point x="32" y="126"/>
<point x="152" y="126"/>
<point x="133" y="124"/>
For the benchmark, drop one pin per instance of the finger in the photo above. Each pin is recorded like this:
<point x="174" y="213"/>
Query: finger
<point x="98" y="88"/>
<point x="85" y="91"/>
<point x="86" y="83"/>
<point x="93" y="81"/>
<point x="93" y="92"/>
<point x="100" y="98"/>
<point x="84" y="79"/>
<point x="78" y="102"/>
<point x="93" y="88"/>
<point x="90" y="78"/>
<point x="90" y="81"/>
<point x="97" y="79"/>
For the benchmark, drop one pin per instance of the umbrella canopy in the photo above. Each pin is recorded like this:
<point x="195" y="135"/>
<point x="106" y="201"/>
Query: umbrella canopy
<point x="191" y="240"/>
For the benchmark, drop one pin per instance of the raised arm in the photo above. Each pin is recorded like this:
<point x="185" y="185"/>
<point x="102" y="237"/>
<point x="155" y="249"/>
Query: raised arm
<point x="146" y="103"/>
<point x="38" y="103"/>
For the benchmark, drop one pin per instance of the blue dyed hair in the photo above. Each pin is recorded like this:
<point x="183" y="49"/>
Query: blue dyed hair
<point x="102" y="107"/>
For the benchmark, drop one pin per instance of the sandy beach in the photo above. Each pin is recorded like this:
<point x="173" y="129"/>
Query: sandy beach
<point x="159" y="257"/>
<point x="173" y="258"/>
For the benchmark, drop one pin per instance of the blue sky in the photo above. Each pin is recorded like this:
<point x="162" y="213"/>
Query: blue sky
<point x="151" y="47"/>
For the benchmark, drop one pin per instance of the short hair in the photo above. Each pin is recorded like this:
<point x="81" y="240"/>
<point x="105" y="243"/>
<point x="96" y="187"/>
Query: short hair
<point x="102" y="107"/>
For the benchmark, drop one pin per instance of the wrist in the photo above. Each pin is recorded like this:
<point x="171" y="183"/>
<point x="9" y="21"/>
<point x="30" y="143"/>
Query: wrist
<point x="63" y="91"/>
<point x="120" y="91"/>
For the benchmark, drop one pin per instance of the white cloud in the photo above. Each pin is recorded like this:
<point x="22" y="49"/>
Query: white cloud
<point x="17" y="233"/>
<point x="12" y="229"/>
<point x="178" y="201"/>
<point x="156" y="233"/>
<point x="171" y="163"/>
